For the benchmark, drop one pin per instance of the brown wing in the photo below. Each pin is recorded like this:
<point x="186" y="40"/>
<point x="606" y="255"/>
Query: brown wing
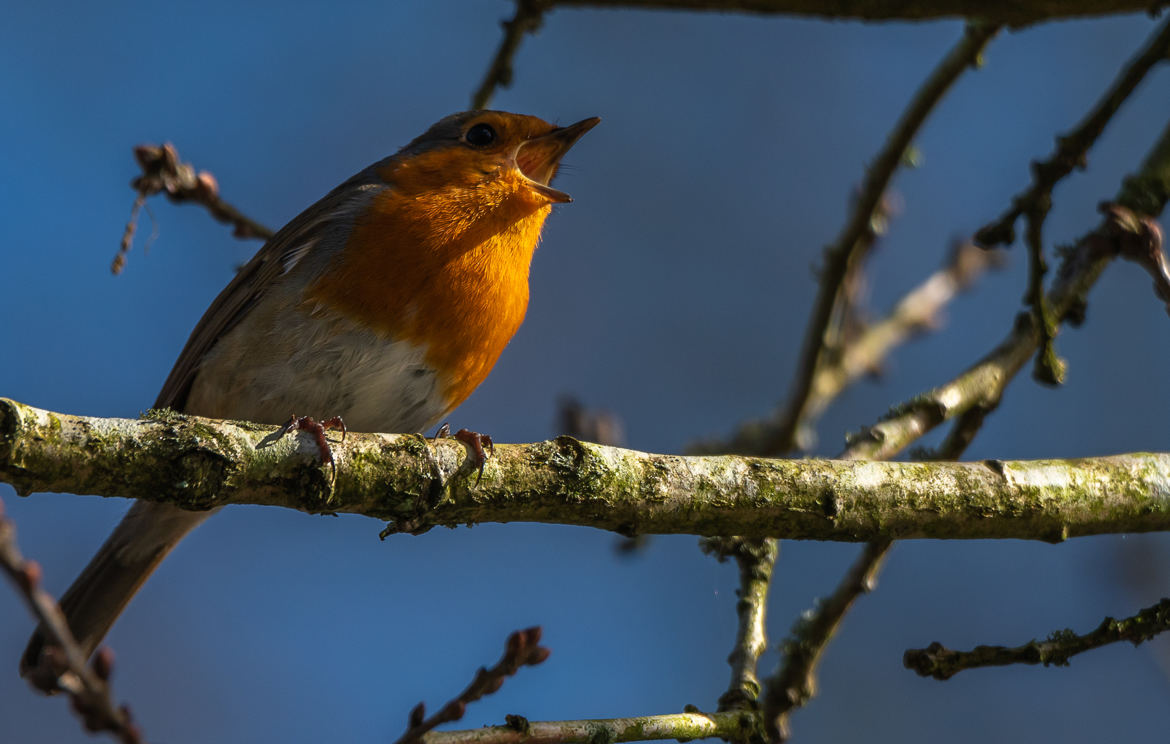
<point x="271" y="262"/>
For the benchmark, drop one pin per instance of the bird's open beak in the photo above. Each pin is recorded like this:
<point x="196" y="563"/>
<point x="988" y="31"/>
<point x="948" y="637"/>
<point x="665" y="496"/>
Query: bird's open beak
<point x="539" y="157"/>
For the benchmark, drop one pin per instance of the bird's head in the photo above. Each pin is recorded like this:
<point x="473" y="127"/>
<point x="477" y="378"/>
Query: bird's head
<point x="487" y="155"/>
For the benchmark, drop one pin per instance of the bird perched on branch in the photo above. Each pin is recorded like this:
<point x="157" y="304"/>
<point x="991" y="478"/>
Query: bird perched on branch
<point x="385" y="303"/>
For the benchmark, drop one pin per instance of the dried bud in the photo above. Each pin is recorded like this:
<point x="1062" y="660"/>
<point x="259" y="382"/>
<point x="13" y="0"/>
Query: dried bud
<point x="103" y="663"/>
<point x="206" y="185"/>
<point x="30" y="576"/>
<point x="170" y="157"/>
<point x="454" y="710"/>
<point x="146" y="155"/>
<point x="418" y="714"/>
<point x="514" y="645"/>
<point x="538" y="655"/>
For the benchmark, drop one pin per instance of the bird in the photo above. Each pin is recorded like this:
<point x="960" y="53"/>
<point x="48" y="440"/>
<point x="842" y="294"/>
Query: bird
<point x="385" y="303"/>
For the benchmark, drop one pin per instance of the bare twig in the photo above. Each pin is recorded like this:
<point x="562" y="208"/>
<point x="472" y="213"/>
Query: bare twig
<point x="62" y="665"/>
<point x="163" y="172"/>
<point x="1034" y="203"/>
<point x="915" y="313"/>
<point x="1072" y="148"/>
<point x="733" y="726"/>
<point x="528" y="17"/>
<point x="795" y="684"/>
<point x="1013" y="12"/>
<point x="982" y="385"/>
<point x="1149" y="190"/>
<point x="756" y="560"/>
<point x="858" y="232"/>
<point x="1139" y="239"/>
<point x="523" y="649"/>
<point x="940" y="662"/>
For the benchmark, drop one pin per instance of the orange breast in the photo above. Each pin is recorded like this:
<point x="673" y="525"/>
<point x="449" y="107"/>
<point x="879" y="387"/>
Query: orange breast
<point x="444" y="268"/>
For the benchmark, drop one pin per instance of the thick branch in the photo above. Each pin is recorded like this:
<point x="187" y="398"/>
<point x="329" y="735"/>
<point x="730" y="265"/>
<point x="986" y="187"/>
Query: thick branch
<point x="201" y="463"/>
<point x="1013" y="12"/>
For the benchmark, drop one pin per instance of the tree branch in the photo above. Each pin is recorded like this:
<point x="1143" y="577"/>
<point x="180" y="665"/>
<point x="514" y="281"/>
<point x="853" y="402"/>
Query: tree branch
<point x="940" y="662"/>
<point x="1012" y="12"/>
<point x="528" y="17"/>
<point x="163" y="172"/>
<point x="733" y="726"/>
<point x="63" y="665"/>
<point x="795" y="684"/>
<point x="983" y="384"/>
<point x="756" y="560"/>
<point x="1035" y="203"/>
<point x="198" y="463"/>
<point x="857" y="235"/>
<point x="523" y="649"/>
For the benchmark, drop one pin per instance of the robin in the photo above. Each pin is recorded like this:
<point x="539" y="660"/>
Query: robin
<point x="386" y="303"/>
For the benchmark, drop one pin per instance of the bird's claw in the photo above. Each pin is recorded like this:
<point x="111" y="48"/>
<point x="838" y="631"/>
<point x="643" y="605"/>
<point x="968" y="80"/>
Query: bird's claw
<point x="318" y="429"/>
<point x="475" y="441"/>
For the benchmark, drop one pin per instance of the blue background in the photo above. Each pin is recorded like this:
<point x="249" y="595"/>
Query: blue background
<point x="673" y="292"/>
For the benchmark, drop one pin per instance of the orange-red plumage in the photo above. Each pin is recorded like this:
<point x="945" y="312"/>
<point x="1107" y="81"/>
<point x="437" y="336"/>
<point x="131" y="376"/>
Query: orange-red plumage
<point x="445" y="270"/>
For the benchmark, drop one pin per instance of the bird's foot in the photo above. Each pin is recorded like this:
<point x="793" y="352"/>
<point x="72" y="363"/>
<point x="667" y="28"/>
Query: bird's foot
<point x="475" y="441"/>
<point x="318" y="429"/>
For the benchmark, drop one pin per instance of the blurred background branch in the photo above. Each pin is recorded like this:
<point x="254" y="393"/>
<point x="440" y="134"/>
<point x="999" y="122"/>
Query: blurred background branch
<point x="64" y="666"/>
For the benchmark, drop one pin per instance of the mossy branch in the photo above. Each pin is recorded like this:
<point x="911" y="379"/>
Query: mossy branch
<point x="732" y="726"/>
<point x="415" y="484"/>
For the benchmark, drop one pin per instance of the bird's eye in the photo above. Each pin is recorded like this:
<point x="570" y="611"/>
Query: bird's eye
<point x="481" y="135"/>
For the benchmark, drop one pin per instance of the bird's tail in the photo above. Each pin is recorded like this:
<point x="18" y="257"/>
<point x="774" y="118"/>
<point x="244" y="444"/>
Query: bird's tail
<point x="91" y="605"/>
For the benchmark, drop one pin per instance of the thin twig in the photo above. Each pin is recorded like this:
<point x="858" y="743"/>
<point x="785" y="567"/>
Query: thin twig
<point x="523" y="649"/>
<point x="917" y="312"/>
<point x="528" y="17"/>
<point x="164" y="172"/>
<point x="756" y="560"/>
<point x="1034" y="203"/>
<point x="795" y="684"/>
<point x="858" y="233"/>
<point x="1072" y="149"/>
<point x="62" y="665"/>
<point x="732" y="726"/>
<point x="1016" y="13"/>
<point x="982" y="385"/>
<point x="940" y="662"/>
<point x="1140" y="240"/>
